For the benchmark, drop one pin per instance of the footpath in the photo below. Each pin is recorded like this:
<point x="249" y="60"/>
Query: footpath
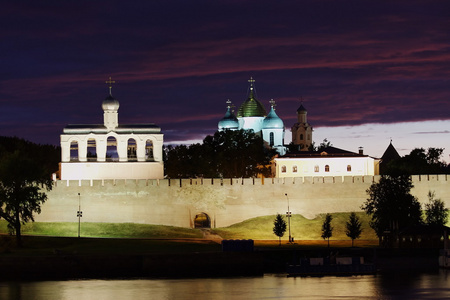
<point x="208" y="235"/>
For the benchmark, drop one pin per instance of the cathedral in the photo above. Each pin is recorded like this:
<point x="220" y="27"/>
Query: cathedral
<point x="302" y="160"/>
<point x="253" y="116"/>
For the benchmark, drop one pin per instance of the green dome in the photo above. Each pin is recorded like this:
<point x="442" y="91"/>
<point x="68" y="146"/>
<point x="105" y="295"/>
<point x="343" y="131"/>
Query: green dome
<point x="251" y="107"/>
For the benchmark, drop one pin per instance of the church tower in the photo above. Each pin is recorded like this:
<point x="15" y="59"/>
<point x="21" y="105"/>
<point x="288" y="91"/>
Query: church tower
<point x="110" y="109"/>
<point x="302" y="130"/>
<point x="111" y="150"/>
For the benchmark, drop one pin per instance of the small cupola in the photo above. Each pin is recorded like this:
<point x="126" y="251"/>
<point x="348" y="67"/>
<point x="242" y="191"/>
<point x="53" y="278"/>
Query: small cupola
<point x="110" y="108"/>
<point x="272" y="121"/>
<point x="229" y="121"/>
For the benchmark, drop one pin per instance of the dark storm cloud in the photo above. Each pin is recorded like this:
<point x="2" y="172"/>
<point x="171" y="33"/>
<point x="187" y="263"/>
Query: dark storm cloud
<point x="177" y="62"/>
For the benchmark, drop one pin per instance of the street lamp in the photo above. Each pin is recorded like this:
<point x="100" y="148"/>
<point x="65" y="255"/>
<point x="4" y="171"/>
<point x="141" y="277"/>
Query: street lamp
<point x="288" y="215"/>
<point x="79" y="214"/>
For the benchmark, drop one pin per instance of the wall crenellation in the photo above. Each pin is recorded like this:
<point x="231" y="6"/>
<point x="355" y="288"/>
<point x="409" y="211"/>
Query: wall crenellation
<point x="243" y="181"/>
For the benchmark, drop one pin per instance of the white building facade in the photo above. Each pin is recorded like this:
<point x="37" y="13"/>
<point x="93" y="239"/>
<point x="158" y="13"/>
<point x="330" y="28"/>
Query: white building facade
<point x="111" y="151"/>
<point x="332" y="163"/>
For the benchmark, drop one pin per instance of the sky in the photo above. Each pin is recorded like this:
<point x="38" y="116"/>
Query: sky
<point x="368" y="72"/>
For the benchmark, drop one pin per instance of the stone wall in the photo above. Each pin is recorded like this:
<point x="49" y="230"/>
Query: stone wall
<point x="226" y="201"/>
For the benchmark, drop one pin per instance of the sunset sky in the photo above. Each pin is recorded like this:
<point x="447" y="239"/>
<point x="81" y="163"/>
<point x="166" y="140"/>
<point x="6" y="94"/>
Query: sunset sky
<point x="367" y="71"/>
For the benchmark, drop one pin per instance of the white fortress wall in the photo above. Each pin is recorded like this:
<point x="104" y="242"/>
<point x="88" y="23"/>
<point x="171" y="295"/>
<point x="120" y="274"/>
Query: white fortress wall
<point x="226" y="201"/>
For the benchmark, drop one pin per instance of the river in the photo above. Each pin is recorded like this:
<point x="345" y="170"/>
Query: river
<point x="270" y="286"/>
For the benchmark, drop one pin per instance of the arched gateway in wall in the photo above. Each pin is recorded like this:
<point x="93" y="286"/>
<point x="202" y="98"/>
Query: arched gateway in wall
<point x="110" y="150"/>
<point x="202" y="220"/>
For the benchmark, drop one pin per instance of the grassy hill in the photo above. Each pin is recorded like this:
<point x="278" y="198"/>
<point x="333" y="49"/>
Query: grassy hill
<point x="259" y="228"/>
<point x="301" y="228"/>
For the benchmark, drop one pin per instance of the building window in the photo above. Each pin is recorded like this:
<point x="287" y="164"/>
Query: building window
<point x="132" y="150"/>
<point x="316" y="168"/>
<point x="349" y="168"/>
<point x="301" y="137"/>
<point x="91" y="150"/>
<point x="271" y="139"/>
<point x="327" y="168"/>
<point x="283" y="169"/>
<point x="111" y="149"/>
<point x="149" y="151"/>
<point x="74" y="151"/>
<point x="294" y="169"/>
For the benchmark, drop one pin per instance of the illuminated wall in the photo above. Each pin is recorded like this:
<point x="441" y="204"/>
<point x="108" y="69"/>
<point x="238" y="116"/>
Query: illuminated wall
<point x="228" y="201"/>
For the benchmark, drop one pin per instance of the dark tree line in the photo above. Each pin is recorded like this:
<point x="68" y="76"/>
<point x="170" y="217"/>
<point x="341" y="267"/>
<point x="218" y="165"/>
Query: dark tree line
<point x="419" y="161"/>
<point x="227" y="154"/>
<point x="48" y="156"/>
<point x="393" y="208"/>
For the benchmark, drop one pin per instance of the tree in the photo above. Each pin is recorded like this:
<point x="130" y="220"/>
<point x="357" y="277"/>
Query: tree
<point x="228" y="154"/>
<point x="435" y="211"/>
<point x="22" y="181"/>
<point x="353" y="227"/>
<point x="327" y="229"/>
<point x="189" y="162"/>
<point x="48" y="156"/>
<point x="323" y="145"/>
<point x="391" y="206"/>
<point x="279" y="227"/>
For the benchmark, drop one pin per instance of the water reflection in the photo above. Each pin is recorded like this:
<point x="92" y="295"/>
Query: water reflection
<point x="385" y="286"/>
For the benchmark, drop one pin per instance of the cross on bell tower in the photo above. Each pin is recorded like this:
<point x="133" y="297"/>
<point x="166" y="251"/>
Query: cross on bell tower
<point x="109" y="82"/>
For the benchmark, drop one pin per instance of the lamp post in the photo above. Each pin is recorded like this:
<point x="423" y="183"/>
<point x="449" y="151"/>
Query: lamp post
<point x="79" y="214"/>
<point x="288" y="215"/>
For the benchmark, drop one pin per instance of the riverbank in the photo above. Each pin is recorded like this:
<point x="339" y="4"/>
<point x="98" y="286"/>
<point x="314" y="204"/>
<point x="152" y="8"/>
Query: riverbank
<point x="45" y="258"/>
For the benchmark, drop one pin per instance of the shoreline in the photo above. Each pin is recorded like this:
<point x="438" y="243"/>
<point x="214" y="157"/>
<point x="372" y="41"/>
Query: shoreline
<point x="62" y="266"/>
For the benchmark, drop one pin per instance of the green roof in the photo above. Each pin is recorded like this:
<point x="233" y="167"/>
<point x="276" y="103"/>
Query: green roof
<point x="251" y="107"/>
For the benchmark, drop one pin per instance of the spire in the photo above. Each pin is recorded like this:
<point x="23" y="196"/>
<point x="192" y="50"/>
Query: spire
<point x="389" y="154"/>
<point x="251" y="88"/>
<point x="301" y="108"/>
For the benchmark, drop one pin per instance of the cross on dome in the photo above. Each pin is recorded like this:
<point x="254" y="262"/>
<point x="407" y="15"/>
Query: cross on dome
<point x="230" y="105"/>
<point x="109" y="83"/>
<point x="272" y="103"/>
<point x="251" y="81"/>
